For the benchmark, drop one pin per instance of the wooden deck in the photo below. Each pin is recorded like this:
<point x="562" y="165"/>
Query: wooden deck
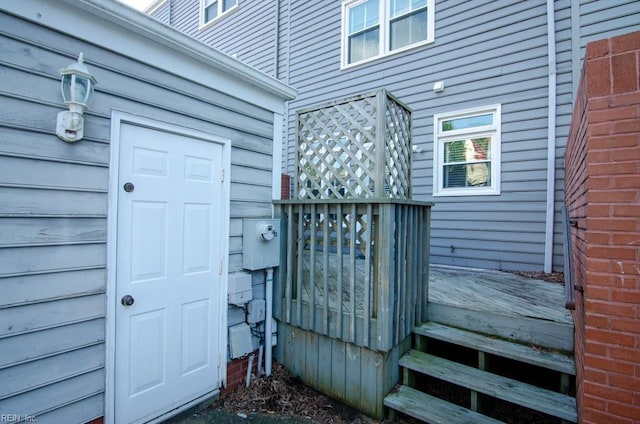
<point x="501" y="304"/>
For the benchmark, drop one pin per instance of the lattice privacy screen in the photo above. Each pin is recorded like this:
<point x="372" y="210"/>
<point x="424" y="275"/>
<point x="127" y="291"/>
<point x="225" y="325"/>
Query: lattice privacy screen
<point x="355" y="148"/>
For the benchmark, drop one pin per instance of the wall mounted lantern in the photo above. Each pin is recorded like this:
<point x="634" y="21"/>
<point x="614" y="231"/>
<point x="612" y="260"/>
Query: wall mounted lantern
<point x="77" y="90"/>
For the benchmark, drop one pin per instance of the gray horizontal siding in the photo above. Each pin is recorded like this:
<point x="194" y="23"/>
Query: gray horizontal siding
<point x="36" y="202"/>
<point x="254" y="45"/>
<point x="53" y="209"/>
<point x="486" y="52"/>
<point x="47" y="411"/>
<point x="29" y="376"/>
<point x="604" y="19"/>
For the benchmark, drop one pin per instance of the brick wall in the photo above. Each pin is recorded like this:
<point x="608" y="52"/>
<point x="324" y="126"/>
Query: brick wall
<point x="602" y="193"/>
<point x="237" y="371"/>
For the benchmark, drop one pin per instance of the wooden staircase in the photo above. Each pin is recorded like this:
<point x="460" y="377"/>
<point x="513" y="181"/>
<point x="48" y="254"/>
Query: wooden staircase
<point x="482" y="366"/>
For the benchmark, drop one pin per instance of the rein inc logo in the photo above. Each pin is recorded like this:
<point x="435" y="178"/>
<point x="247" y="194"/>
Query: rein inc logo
<point x="17" y="418"/>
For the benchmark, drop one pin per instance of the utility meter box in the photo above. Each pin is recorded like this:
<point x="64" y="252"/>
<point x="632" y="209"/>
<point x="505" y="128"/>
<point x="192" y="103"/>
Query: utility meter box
<point x="240" y="342"/>
<point x="240" y="290"/>
<point x="260" y="243"/>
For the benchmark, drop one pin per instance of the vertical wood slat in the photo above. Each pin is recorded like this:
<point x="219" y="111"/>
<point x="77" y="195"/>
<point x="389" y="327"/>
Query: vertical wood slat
<point x="313" y="223"/>
<point x="339" y="250"/>
<point x="386" y="266"/>
<point x="325" y="260"/>
<point x="325" y="361"/>
<point x="424" y="268"/>
<point x="412" y="260"/>
<point x="407" y="265"/>
<point x="299" y="274"/>
<point x="312" y="354"/>
<point x="290" y="266"/>
<point x="368" y="283"/>
<point x="399" y="280"/>
<point x="352" y="267"/>
<point x="419" y="228"/>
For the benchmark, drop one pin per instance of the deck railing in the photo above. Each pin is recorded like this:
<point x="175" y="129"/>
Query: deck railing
<point x="354" y="270"/>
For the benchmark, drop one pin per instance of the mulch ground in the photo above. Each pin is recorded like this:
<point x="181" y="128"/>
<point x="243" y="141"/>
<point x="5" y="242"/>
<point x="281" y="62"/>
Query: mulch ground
<point x="282" y="394"/>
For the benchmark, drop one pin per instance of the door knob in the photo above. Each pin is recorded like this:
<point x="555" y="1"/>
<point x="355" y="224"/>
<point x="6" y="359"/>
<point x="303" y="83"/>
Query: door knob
<point x="127" y="300"/>
<point x="128" y="187"/>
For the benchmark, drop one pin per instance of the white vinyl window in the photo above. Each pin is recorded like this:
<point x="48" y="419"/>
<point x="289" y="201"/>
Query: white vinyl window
<point x="211" y="10"/>
<point x="375" y="28"/>
<point x="467" y="152"/>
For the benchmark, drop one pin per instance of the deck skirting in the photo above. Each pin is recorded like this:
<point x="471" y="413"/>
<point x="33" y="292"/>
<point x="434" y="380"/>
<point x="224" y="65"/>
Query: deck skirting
<point x="355" y="375"/>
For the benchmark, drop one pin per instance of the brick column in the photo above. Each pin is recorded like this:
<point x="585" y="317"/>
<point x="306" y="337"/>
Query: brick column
<point x="602" y="193"/>
<point x="285" y="191"/>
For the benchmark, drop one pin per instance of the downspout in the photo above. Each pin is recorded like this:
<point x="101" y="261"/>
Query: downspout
<point x="551" y="139"/>
<point x="277" y="186"/>
<point x="277" y="194"/>
<point x="276" y="53"/>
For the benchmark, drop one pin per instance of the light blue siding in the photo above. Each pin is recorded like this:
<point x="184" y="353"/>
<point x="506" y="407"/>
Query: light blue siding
<point x="53" y="208"/>
<point x="487" y="52"/>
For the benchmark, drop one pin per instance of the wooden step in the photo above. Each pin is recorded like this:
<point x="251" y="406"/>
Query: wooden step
<point x="538" y="357"/>
<point x="537" y="331"/>
<point x="519" y="393"/>
<point x="432" y="410"/>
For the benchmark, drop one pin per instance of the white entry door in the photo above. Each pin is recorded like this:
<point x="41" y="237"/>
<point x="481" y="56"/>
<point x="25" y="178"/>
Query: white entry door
<point x="167" y="273"/>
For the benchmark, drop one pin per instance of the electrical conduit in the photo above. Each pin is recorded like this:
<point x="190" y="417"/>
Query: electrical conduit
<point x="267" y="325"/>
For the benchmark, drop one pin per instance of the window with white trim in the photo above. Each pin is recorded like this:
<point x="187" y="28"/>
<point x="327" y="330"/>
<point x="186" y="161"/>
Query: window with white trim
<point x="376" y="28"/>
<point x="210" y="10"/>
<point x="467" y="152"/>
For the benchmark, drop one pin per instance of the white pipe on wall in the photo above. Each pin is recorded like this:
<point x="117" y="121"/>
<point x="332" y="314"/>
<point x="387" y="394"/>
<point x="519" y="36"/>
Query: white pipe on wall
<point x="267" y="325"/>
<point x="551" y="139"/>
<point x="249" y="368"/>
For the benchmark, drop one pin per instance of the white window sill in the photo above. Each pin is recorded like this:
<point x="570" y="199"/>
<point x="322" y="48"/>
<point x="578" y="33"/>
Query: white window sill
<point x="344" y="67"/>
<point x="468" y="192"/>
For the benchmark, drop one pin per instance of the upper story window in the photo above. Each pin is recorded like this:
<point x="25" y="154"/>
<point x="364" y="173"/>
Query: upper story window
<point x="467" y="152"/>
<point x="210" y="10"/>
<point x="375" y="28"/>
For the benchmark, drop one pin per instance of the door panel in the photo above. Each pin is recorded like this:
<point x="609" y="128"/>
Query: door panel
<point x="195" y="333"/>
<point x="168" y="255"/>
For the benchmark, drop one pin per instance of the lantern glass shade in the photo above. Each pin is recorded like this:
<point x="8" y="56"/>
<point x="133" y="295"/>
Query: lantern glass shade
<point x="76" y="89"/>
<point x="77" y="85"/>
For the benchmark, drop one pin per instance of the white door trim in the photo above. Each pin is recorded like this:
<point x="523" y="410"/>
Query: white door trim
<point x="117" y="120"/>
